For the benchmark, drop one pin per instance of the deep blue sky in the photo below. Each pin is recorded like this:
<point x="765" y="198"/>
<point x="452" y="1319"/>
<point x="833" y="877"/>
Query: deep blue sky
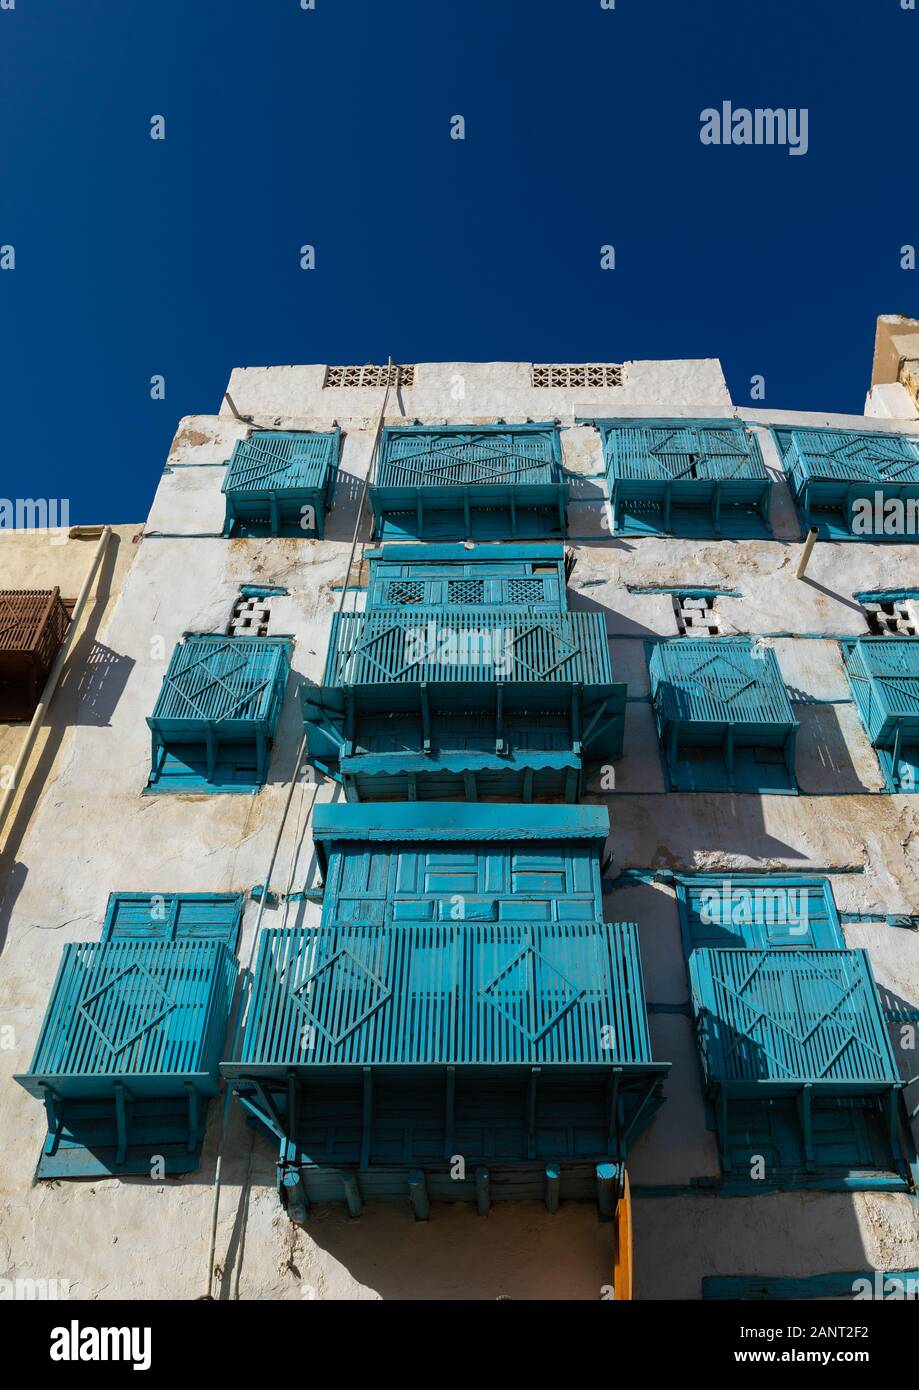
<point x="331" y="127"/>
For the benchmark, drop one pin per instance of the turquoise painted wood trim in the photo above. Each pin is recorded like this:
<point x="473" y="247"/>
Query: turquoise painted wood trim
<point x="469" y="482"/>
<point x="188" y="782"/>
<point x="696" y="478"/>
<point x="797" y="1031"/>
<point x="761" y="1288"/>
<point x="374" y="882"/>
<point x="527" y="1182"/>
<point x="442" y="457"/>
<point x="883" y="675"/>
<point x="514" y="736"/>
<point x="829" y="455"/>
<point x="435" y="823"/>
<point x="783" y="1037"/>
<point x="679" y="591"/>
<point x="733" y="1187"/>
<point x="112" y="1151"/>
<point x="885" y="595"/>
<point x="702" y="517"/>
<point x="448" y="821"/>
<point x="642" y="875"/>
<point x="129" y="1046"/>
<point x="473" y="777"/>
<point x="903" y="921"/>
<point x="512" y="1053"/>
<point x="509" y="1180"/>
<point x="464" y="514"/>
<point x="409" y="553"/>
<point x="151" y="1014"/>
<point x="466" y="647"/>
<point x="412" y="585"/>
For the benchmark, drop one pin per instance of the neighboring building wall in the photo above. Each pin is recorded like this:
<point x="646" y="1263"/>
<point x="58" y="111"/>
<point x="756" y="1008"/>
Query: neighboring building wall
<point x="97" y="833"/>
<point x="895" y="373"/>
<point x="91" y="681"/>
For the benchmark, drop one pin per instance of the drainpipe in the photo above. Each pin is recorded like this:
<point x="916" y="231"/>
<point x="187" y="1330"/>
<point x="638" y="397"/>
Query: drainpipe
<point x="104" y="533"/>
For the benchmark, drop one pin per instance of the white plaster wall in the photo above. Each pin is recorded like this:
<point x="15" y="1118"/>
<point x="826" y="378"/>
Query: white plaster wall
<point x="95" y="832"/>
<point x="469" y="391"/>
<point x="890" y="401"/>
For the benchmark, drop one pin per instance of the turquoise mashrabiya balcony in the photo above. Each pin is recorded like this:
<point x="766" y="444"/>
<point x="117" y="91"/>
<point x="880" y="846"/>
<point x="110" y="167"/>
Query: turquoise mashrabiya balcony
<point x="280" y="484"/>
<point x="481" y="703"/>
<point x="214" y="722"/>
<point x="128" y="1051"/>
<point x="843" y="481"/>
<point x="724" y="719"/>
<point x="462" y="1026"/>
<point x="694" y="478"/>
<point x="469" y="482"/>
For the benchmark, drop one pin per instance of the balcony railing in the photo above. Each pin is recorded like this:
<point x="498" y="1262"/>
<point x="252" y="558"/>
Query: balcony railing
<point x="376" y="1055"/>
<point x="128" y="1053"/>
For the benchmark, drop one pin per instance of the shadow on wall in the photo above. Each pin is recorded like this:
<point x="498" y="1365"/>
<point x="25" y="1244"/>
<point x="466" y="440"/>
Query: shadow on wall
<point x="339" y="522"/>
<point x="832" y="593"/>
<point x="681" y="1241"/>
<point x="823" y="763"/>
<point x="88" y="692"/>
<point x="287" y="739"/>
<point x="580" y="601"/>
<point x="683" y="827"/>
<point x="586" y="489"/>
<point x="98" y="684"/>
<point x="902" y="1017"/>
<point x="519" y="1251"/>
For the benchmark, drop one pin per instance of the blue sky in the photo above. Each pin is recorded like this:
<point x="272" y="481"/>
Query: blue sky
<point x="180" y="257"/>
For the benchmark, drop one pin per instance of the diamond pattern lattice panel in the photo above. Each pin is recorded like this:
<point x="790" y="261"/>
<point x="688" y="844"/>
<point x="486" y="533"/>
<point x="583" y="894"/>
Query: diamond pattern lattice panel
<point x="462" y="591"/>
<point x="369" y="376"/>
<point x="549" y="374"/>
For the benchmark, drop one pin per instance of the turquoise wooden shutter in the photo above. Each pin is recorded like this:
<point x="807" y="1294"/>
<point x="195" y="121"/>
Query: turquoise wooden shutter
<point x="173" y="917"/>
<point x="758" y="911"/>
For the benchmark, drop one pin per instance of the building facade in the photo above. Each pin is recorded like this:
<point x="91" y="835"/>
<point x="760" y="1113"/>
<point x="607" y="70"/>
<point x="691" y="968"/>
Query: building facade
<point x="646" y="825"/>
